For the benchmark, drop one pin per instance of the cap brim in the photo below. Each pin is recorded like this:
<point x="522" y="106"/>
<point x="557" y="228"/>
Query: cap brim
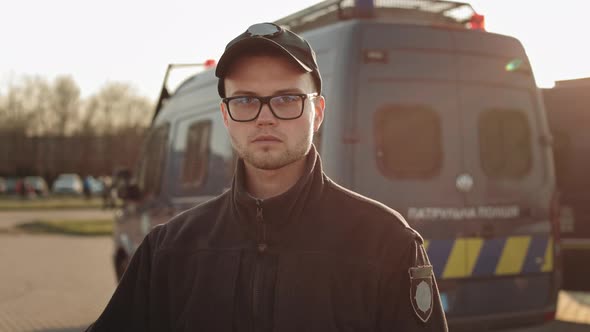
<point x="239" y="47"/>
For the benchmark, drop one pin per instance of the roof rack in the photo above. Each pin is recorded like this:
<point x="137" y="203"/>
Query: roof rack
<point x="430" y="12"/>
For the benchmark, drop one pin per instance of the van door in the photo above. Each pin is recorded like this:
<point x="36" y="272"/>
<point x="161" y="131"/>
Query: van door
<point x="409" y="151"/>
<point x="503" y="155"/>
<point x="408" y="157"/>
<point x="511" y="191"/>
<point x="411" y="160"/>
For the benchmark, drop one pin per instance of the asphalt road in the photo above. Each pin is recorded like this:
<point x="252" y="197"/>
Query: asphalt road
<point x="53" y="282"/>
<point x="57" y="283"/>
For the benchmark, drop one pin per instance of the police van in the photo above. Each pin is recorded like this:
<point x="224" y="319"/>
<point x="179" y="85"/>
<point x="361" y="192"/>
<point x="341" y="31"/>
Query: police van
<point x="427" y="113"/>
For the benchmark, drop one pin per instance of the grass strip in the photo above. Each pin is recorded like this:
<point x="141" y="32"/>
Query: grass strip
<point x="94" y="227"/>
<point x="49" y="203"/>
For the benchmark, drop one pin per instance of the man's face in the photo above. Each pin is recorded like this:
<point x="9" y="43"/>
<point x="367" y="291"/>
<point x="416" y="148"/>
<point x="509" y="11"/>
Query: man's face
<point x="267" y="142"/>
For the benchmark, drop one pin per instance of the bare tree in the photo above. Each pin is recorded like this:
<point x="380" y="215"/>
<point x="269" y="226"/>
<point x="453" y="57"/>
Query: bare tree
<point x="115" y="107"/>
<point x="46" y="128"/>
<point x="24" y="106"/>
<point x="65" y="101"/>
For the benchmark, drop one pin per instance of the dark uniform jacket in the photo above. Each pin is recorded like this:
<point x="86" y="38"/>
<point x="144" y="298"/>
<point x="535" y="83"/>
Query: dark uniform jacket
<point x="315" y="258"/>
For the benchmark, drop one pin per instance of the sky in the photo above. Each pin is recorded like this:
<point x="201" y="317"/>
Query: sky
<point x="134" y="40"/>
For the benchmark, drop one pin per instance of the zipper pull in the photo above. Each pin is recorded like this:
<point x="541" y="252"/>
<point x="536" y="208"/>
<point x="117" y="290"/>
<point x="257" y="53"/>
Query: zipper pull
<point x="258" y="211"/>
<point x="262" y="246"/>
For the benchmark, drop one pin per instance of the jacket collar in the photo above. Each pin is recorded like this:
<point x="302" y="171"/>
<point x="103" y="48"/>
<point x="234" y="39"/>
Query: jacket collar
<point x="285" y="208"/>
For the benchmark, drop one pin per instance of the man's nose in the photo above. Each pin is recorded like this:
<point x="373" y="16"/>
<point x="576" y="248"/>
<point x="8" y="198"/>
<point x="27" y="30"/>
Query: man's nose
<point x="266" y="117"/>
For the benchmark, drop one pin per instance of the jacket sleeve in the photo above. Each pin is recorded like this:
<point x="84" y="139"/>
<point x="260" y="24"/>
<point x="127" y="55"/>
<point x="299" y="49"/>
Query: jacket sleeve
<point x="128" y="308"/>
<point x="410" y="297"/>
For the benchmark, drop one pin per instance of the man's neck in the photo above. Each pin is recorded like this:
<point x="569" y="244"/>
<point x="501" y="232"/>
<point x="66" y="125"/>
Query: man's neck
<point x="264" y="184"/>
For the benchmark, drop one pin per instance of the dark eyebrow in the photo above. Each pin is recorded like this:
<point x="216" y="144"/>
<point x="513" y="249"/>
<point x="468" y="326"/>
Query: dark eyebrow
<point x="288" y="91"/>
<point x="276" y="93"/>
<point x="243" y="93"/>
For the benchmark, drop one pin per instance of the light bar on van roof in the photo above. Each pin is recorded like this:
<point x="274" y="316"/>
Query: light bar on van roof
<point x="209" y="63"/>
<point x="424" y="12"/>
<point x="476" y="22"/>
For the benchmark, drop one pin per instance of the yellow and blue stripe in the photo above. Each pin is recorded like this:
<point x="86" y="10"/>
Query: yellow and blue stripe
<point x="479" y="257"/>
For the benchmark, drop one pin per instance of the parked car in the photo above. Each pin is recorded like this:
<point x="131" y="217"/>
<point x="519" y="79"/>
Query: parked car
<point x="37" y="184"/>
<point x="68" y="184"/>
<point x="10" y="185"/>
<point x="92" y="186"/>
<point x="96" y="186"/>
<point x="16" y="186"/>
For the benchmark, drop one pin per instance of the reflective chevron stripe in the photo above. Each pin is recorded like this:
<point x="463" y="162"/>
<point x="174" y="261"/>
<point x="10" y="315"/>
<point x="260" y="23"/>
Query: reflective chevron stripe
<point x="478" y="257"/>
<point x="473" y="248"/>
<point x="548" y="261"/>
<point x="513" y="255"/>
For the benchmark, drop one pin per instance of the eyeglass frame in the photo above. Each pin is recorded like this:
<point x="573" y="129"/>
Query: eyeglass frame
<point x="265" y="100"/>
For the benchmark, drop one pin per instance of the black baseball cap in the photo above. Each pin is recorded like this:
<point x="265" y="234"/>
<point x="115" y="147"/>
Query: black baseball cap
<point x="271" y="36"/>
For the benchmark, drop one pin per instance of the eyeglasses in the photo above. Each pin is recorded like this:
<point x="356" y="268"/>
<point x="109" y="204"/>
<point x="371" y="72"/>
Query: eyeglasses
<point x="264" y="30"/>
<point x="284" y="107"/>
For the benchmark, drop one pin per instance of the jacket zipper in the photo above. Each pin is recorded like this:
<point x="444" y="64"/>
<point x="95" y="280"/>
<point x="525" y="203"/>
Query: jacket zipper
<point x="261" y="246"/>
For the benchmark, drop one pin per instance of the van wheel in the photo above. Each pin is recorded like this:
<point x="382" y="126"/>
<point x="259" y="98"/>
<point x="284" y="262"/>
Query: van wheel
<point x="121" y="265"/>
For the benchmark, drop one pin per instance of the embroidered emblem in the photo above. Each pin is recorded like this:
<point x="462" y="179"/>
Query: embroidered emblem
<point x="421" y="291"/>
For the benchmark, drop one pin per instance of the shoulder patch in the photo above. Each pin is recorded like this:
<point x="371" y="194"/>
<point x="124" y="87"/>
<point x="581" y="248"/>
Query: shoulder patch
<point x="421" y="295"/>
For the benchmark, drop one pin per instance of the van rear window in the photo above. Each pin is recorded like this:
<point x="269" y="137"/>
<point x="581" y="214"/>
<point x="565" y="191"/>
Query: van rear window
<point x="408" y="141"/>
<point x="505" y="143"/>
<point x="196" y="158"/>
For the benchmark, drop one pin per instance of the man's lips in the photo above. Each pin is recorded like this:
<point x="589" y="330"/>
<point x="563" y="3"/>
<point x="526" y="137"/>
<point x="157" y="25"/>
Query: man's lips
<point x="266" y="138"/>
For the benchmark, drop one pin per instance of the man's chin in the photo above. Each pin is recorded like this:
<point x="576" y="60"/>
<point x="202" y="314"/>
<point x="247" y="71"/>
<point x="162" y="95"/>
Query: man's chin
<point x="269" y="164"/>
<point x="268" y="159"/>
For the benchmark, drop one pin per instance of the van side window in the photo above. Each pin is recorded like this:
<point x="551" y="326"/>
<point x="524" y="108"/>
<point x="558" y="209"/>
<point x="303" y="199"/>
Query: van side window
<point x="194" y="168"/>
<point x="150" y="172"/>
<point x="408" y="141"/>
<point x="505" y="143"/>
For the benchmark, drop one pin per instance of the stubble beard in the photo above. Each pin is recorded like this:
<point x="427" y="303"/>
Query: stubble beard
<point x="273" y="158"/>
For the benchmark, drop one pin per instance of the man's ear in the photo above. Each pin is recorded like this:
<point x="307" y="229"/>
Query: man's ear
<point x="319" y="104"/>
<point x="224" y="114"/>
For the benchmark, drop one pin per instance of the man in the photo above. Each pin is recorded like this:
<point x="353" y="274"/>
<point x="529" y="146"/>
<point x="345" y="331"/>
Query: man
<point x="285" y="249"/>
